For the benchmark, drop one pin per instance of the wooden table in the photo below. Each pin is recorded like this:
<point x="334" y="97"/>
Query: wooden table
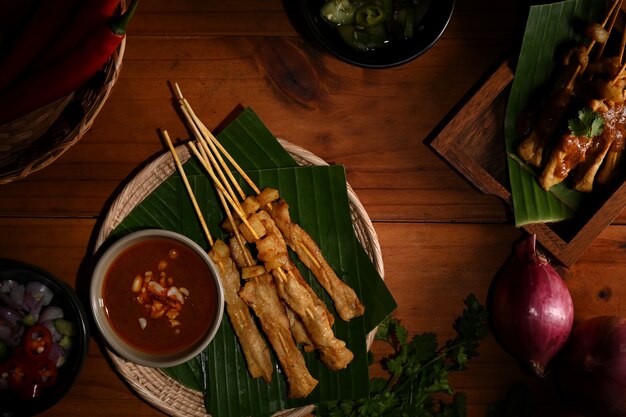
<point x="440" y="238"/>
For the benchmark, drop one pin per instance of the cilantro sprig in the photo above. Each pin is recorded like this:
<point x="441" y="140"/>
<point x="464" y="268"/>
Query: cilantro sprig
<point x="588" y="124"/>
<point x="418" y="371"/>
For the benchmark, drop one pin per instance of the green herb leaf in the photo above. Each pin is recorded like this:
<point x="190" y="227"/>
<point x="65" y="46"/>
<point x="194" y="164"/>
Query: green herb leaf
<point x="588" y="124"/>
<point x="418" y="371"/>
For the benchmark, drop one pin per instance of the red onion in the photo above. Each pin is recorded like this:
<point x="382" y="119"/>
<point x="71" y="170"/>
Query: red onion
<point x="591" y="370"/>
<point x="532" y="309"/>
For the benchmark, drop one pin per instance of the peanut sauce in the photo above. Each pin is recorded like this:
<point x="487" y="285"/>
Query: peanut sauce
<point x="186" y="270"/>
<point x="615" y="126"/>
<point x="574" y="149"/>
<point x="577" y="148"/>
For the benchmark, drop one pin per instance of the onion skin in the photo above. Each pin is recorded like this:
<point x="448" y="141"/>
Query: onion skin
<point x="591" y="371"/>
<point x="532" y="310"/>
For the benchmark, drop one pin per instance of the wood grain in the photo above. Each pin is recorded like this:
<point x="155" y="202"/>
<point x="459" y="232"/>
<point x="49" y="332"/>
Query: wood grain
<point x="441" y="238"/>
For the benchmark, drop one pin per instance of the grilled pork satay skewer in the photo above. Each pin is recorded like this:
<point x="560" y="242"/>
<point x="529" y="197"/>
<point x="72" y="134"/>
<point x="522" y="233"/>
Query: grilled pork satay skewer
<point x="587" y="171"/>
<point x="346" y="301"/>
<point x="260" y="294"/>
<point x="568" y="153"/>
<point x="253" y="345"/>
<point x="260" y="229"/>
<point x="614" y="157"/>
<point x="297" y="328"/>
<point x="344" y="297"/>
<point x="611" y="163"/>
<point x="532" y="149"/>
<point x="294" y="290"/>
<point x="611" y="16"/>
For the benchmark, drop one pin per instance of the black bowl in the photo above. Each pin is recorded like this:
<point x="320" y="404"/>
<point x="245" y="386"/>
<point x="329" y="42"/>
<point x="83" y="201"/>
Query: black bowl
<point x="64" y="297"/>
<point x="395" y="53"/>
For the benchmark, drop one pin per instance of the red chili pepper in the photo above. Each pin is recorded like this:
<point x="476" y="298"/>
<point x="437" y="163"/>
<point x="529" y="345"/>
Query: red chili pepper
<point x="21" y="376"/>
<point x="46" y="19"/>
<point x="88" y="15"/>
<point x="45" y="373"/>
<point x="37" y="342"/>
<point x="66" y="75"/>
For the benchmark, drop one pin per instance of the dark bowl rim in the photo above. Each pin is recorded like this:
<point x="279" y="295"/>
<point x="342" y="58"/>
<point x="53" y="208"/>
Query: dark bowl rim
<point x="374" y="59"/>
<point x="59" y="286"/>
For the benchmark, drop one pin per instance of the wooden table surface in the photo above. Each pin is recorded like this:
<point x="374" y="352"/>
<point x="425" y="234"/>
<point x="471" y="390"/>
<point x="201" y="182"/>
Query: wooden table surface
<point x="440" y="238"/>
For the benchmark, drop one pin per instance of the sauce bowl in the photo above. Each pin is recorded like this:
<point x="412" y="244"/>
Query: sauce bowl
<point x="156" y="298"/>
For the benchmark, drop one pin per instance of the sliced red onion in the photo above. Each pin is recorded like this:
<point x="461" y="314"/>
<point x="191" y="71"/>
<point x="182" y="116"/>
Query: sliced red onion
<point x="10" y="315"/>
<point x="51" y="313"/>
<point x="17" y="294"/>
<point x="57" y="355"/>
<point x="56" y="335"/>
<point x="6" y="301"/>
<point x="33" y="303"/>
<point x="39" y="290"/>
<point x="6" y="285"/>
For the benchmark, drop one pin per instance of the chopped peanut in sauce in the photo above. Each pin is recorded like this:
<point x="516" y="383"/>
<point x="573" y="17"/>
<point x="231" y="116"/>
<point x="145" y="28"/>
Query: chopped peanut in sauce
<point x="159" y="296"/>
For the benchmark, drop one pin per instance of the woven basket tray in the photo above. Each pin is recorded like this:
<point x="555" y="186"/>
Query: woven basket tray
<point x="152" y="384"/>
<point x="35" y="140"/>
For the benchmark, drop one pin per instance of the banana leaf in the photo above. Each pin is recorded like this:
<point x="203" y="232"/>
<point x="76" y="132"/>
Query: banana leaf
<point x="548" y="29"/>
<point x="318" y="201"/>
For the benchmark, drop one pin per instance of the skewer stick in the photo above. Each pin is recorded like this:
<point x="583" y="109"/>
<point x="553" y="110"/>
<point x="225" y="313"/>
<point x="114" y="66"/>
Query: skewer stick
<point x="203" y="133"/>
<point x="217" y="144"/>
<point x="229" y="215"/>
<point x="213" y="142"/>
<point x="204" y="150"/>
<point x="205" y="229"/>
<point x="240" y="242"/>
<point x="610" y="28"/>
<point x="235" y="205"/>
<point x="570" y="84"/>
<point x="203" y="156"/>
<point x="619" y="73"/>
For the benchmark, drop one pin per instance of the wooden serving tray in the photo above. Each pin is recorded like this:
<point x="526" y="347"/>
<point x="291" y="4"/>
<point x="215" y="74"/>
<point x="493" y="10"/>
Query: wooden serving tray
<point x="472" y="142"/>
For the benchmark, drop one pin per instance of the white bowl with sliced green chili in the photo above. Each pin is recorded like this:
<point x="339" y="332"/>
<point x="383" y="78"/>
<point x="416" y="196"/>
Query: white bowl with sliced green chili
<point x="377" y="33"/>
<point x="44" y="338"/>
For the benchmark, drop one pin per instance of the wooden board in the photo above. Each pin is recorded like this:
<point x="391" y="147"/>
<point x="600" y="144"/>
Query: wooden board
<point x="472" y="142"/>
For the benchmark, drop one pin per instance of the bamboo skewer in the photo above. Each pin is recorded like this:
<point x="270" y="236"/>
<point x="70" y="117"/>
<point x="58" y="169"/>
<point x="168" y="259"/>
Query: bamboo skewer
<point x="225" y="206"/>
<point x="613" y="8"/>
<point x="213" y="162"/>
<point x="254" y="348"/>
<point x="610" y="28"/>
<point x="179" y="166"/>
<point x="239" y="211"/>
<point x="205" y="135"/>
<point x="207" y="139"/>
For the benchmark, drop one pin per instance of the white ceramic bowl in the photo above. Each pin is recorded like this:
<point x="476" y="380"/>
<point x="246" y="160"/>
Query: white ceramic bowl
<point x="112" y="337"/>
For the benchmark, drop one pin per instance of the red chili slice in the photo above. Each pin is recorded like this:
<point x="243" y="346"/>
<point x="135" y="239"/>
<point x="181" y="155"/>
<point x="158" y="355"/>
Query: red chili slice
<point x="21" y="376"/>
<point x="45" y="373"/>
<point x="38" y="342"/>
